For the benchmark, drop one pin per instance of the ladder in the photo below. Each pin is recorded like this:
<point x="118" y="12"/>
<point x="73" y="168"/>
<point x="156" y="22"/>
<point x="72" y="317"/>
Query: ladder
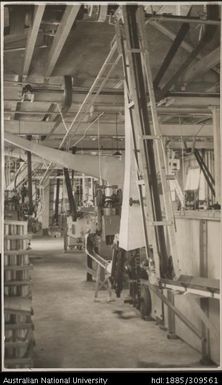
<point x="157" y="215"/>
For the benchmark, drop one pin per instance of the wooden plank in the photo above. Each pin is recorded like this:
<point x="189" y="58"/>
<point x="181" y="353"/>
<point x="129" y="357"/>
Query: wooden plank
<point x="16" y="252"/>
<point x="27" y="341"/>
<point x="26" y="236"/>
<point x="17" y="283"/>
<point x="19" y="361"/>
<point x="17" y="304"/>
<point x="210" y="215"/>
<point x="18" y="268"/>
<point x="17" y="326"/>
<point x="17" y="223"/>
<point x="24" y="339"/>
<point x="25" y="361"/>
<point x="61" y="36"/>
<point x="91" y="271"/>
<point x="32" y="38"/>
<point x="195" y="282"/>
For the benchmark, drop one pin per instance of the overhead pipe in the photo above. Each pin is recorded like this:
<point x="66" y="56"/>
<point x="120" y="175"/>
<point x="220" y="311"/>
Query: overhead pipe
<point x="67" y="102"/>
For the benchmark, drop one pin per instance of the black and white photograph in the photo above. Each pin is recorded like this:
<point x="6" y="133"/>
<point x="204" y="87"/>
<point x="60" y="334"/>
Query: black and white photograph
<point x="110" y="186"/>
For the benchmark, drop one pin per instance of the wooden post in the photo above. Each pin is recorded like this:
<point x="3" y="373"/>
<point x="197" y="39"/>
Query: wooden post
<point x="204" y="302"/>
<point x="98" y="274"/>
<point x="171" y="317"/>
<point x="57" y="201"/>
<point x="89" y="277"/>
<point x="29" y="168"/>
<point x="45" y="209"/>
<point x="217" y="152"/>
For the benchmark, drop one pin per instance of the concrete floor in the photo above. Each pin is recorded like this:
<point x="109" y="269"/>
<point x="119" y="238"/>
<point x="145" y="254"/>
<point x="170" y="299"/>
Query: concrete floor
<point x="73" y="331"/>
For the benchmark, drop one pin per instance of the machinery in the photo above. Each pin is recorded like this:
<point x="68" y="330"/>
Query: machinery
<point x="101" y="240"/>
<point x="128" y="268"/>
<point x="76" y="230"/>
<point x="108" y="202"/>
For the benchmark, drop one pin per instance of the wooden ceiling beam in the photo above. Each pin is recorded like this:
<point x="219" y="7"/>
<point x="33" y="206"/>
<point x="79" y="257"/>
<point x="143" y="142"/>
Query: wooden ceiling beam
<point x="42" y="128"/>
<point x="11" y="94"/>
<point x="171" y="35"/>
<point x="205" y="64"/>
<point x="32" y="38"/>
<point x="61" y="35"/>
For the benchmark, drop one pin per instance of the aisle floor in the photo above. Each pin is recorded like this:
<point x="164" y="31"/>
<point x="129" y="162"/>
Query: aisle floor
<point x="74" y="331"/>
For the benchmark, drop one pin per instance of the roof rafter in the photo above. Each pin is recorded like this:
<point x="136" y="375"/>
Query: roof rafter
<point x="61" y="35"/>
<point x="206" y="63"/>
<point x="32" y="37"/>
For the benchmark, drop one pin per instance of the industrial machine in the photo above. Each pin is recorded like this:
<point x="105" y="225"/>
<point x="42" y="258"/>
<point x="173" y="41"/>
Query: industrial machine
<point x="100" y="242"/>
<point x="108" y="202"/>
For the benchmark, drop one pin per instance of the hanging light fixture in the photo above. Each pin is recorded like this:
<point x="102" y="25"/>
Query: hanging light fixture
<point x="117" y="152"/>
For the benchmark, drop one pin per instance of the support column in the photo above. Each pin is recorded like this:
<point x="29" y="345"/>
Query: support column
<point x="57" y="200"/>
<point x="89" y="277"/>
<point x="83" y="188"/>
<point x="171" y="317"/>
<point x="29" y="169"/>
<point x="217" y="153"/>
<point x="45" y="208"/>
<point x="204" y="302"/>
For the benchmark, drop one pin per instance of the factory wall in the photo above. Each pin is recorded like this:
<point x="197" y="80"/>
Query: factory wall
<point x="188" y="239"/>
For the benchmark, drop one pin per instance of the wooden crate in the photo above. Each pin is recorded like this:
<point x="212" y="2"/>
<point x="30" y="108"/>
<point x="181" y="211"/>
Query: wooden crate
<point x="19" y="337"/>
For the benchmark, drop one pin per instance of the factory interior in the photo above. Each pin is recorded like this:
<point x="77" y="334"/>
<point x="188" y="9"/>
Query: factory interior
<point x="111" y="184"/>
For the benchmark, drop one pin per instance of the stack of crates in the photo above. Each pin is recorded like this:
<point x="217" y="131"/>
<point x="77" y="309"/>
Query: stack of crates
<point x="19" y="339"/>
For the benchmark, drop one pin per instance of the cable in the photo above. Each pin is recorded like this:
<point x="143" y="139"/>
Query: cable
<point x="87" y="128"/>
